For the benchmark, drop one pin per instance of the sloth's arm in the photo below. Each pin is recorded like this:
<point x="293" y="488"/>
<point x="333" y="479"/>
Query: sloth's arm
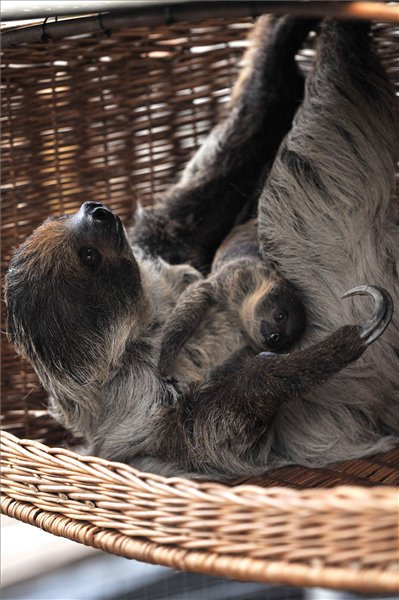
<point x="228" y="416"/>
<point x="225" y="173"/>
<point x="263" y="383"/>
<point x="186" y="317"/>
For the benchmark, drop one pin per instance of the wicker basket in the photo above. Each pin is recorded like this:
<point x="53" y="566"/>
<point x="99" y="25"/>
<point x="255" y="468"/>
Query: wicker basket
<point x="115" y="117"/>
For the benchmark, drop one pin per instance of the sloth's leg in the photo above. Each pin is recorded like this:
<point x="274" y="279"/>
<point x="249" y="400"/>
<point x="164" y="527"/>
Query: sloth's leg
<point x="325" y="205"/>
<point x="185" y="319"/>
<point x="326" y="218"/>
<point x="225" y="173"/>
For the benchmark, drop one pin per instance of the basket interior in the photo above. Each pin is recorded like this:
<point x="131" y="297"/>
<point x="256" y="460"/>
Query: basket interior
<point x="114" y="119"/>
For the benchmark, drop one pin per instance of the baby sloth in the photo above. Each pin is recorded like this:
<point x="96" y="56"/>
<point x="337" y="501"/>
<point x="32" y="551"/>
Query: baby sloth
<point x="263" y="307"/>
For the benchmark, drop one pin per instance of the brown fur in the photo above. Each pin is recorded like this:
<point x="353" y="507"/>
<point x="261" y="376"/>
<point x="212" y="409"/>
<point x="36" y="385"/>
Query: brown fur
<point x="220" y="185"/>
<point x="93" y="329"/>
<point x="243" y="290"/>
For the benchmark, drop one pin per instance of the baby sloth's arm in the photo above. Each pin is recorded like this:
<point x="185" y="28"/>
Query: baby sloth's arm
<point x="185" y="319"/>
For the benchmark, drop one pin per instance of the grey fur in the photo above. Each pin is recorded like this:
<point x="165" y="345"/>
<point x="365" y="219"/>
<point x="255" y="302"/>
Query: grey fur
<point x="253" y="300"/>
<point x="103" y="377"/>
<point x="328" y="219"/>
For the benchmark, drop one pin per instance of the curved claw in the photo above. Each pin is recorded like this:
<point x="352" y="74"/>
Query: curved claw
<point x="383" y="309"/>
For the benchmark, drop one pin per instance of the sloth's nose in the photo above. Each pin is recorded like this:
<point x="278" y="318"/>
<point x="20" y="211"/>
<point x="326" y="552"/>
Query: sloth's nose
<point x="96" y="223"/>
<point x="97" y="219"/>
<point x="98" y="212"/>
<point x="273" y="338"/>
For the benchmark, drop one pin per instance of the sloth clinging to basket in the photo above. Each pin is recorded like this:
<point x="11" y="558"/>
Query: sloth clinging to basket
<point x="89" y="306"/>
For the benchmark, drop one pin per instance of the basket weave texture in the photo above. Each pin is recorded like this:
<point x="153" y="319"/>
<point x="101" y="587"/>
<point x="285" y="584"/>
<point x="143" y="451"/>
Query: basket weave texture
<point x="113" y="119"/>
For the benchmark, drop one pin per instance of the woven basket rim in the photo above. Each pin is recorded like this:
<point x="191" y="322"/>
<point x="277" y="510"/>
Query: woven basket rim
<point x="377" y="501"/>
<point x="190" y="12"/>
<point x="213" y="491"/>
<point x="41" y="497"/>
<point x="237" y="568"/>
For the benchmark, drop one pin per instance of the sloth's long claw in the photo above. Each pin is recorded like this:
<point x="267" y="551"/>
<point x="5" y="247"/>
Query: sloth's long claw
<point x="383" y="309"/>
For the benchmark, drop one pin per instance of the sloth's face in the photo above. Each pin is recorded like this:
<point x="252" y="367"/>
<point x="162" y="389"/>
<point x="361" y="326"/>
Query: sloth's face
<point x="274" y="315"/>
<point x="281" y="317"/>
<point x="72" y="281"/>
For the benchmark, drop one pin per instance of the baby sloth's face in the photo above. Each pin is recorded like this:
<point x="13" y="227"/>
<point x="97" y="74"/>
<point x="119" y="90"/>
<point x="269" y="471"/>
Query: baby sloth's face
<point x="282" y="318"/>
<point x="72" y="281"/>
<point x="275" y="316"/>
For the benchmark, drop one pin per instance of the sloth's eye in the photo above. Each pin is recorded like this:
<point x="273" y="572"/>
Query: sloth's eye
<point x="90" y="257"/>
<point x="281" y="316"/>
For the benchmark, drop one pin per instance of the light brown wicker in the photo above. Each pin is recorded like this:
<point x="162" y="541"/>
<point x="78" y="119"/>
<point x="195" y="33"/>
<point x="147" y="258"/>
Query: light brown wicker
<point x="115" y="118"/>
<point x="345" y="537"/>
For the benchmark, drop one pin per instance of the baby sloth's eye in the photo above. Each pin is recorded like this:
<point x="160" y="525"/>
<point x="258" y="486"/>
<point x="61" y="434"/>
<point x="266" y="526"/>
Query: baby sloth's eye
<point x="90" y="257"/>
<point x="281" y="316"/>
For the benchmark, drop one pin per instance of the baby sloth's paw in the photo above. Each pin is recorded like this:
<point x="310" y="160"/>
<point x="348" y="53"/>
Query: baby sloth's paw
<point x="274" y="316"/>
<point x="167" y="365"/>
<point x="183" y="276"/>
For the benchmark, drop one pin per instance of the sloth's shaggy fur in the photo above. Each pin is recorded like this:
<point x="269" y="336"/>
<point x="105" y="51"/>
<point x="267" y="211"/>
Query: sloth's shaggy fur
<point x="88" y="309"/>
<point x="328" y="220"/>
<point x="220" y="186"/>
<point x="262" y="306"/>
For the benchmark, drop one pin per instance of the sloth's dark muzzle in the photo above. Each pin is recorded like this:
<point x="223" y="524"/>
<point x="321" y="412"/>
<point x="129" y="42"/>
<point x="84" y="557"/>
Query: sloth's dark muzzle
<point x="96" y="219"/>
<point x="97" y="216"/>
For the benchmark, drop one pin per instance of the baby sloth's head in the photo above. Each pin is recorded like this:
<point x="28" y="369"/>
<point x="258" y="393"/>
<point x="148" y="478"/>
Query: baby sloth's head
<point x="274" y="315"/>
<point x="70" y="286"/>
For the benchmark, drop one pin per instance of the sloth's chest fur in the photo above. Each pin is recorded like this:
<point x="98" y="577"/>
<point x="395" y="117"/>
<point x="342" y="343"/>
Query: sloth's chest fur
<point x="217" y="338"/>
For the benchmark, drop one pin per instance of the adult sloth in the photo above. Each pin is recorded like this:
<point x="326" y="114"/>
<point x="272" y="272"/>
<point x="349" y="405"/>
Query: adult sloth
<point x="103" y="307"/>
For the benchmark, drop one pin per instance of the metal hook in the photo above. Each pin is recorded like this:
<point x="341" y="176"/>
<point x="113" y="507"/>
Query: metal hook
<point x="168" y="17"/>
<point x="45" y="36"/>
<point x="106" y="30"/>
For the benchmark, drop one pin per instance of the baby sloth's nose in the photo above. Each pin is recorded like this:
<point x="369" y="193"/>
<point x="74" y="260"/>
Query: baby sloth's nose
<point x="273" y="338"/>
